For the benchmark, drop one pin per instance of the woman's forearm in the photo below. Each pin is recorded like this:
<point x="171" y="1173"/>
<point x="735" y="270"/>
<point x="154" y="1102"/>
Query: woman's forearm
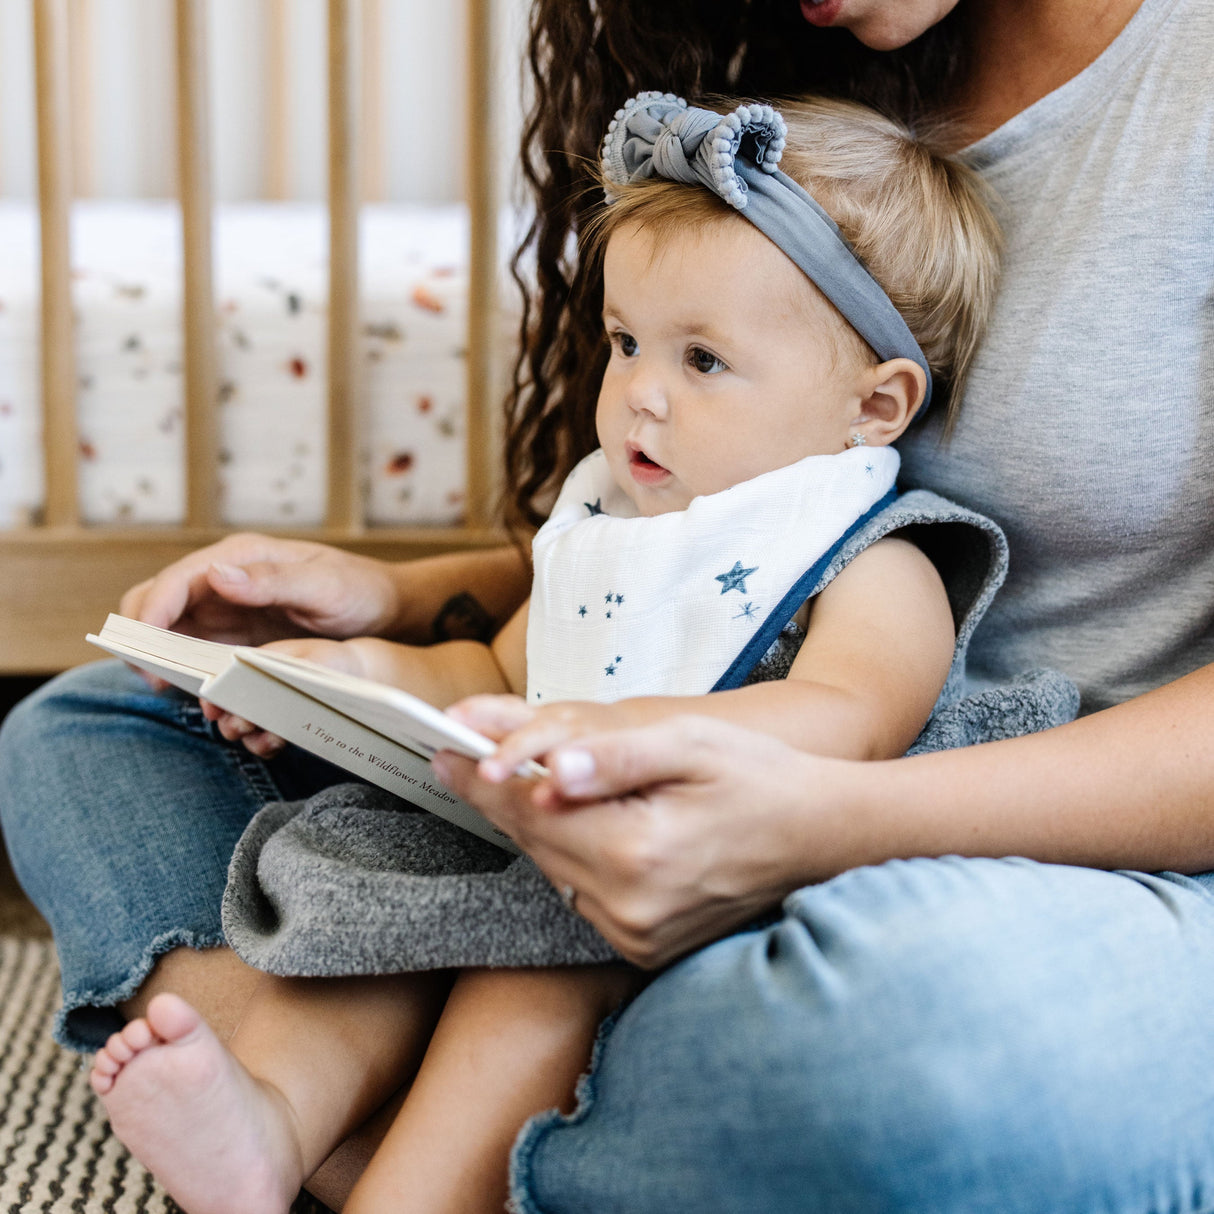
<point x="459" y="595"/>
<point x="1130" y="787"/>
<point x="679" y="831"/>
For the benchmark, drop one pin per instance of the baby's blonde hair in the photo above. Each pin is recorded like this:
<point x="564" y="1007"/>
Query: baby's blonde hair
<point x="918" y="218"/>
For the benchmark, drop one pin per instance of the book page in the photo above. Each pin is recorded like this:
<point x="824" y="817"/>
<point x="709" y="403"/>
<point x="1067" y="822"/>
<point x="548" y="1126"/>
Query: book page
<point x="186" y="662"/>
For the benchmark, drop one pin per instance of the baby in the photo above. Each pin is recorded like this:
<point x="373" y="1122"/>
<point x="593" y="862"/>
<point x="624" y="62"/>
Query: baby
<point x="762" y="360"/>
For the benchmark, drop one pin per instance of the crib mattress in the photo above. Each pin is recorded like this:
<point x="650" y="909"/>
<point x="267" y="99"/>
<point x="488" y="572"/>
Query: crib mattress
<point x="270" y="289"/>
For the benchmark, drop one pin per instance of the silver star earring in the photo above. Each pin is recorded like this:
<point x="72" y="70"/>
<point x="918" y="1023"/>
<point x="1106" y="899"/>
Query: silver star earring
<point x="858" y="440"/>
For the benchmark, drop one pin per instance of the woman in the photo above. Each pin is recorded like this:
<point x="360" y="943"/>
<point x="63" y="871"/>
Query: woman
<point x="924" y="1034"/>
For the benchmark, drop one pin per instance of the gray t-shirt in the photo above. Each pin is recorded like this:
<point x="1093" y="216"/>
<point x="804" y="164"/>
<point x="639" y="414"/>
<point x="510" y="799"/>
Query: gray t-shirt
<point x="1087" y="430"/>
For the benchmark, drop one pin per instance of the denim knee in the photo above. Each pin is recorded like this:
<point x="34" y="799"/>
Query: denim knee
<point x="927" y="1035"/>
<point x="121" y="808"/>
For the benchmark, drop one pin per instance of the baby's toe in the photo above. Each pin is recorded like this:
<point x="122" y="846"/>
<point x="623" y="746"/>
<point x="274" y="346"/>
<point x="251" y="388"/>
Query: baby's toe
<point x="135" y="1036"/>
<point x="104" y="1063"/>
<point x="117" y="1048"/>
<point x="101" y="1082"/>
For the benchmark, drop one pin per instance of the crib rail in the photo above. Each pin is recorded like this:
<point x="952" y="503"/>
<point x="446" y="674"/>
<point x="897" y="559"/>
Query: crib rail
<point x="61" y="576"/>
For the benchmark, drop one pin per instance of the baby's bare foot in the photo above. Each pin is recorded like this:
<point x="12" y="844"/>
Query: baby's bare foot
<point x="215" y="1138"/>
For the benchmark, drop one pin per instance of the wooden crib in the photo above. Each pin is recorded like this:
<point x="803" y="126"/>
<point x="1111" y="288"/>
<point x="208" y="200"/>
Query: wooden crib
<point x="59" y="575"/>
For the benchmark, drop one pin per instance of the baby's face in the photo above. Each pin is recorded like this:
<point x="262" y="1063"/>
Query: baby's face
<point x="726" y="362"/>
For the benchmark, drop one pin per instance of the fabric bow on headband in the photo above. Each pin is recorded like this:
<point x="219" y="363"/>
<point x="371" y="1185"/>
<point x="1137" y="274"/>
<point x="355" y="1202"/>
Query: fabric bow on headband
<point x="736" y="156"/>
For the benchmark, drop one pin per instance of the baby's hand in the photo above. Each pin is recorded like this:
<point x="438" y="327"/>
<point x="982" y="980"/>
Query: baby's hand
<point x="525" y="732"/>
<point x="338" y="655"/>
<point x="345" y="656"/>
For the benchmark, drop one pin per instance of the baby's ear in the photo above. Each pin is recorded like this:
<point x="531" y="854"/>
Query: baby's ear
<point x="891" y="394"/>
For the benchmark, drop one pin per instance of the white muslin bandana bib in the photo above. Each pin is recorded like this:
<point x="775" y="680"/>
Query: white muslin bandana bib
<point x="686" y="602"/>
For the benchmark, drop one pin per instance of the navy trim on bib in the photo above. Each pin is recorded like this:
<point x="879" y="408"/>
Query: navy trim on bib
<point x="786" y="608"/>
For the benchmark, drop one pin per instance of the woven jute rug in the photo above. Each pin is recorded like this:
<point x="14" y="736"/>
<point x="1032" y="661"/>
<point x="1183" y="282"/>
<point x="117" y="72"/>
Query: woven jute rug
<point x="56" y="1150"/>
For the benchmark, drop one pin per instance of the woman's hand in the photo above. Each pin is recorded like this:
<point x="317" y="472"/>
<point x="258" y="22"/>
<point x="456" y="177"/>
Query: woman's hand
<point x="545" y="728"/>
<point x="249" y="589"/>
<point x="673" y="834"/>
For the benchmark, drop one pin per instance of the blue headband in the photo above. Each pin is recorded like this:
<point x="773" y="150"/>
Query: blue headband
<point x="659" y="135"/>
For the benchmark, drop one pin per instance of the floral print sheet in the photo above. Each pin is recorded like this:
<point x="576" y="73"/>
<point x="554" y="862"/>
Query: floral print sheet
<point x="270" y="289"/>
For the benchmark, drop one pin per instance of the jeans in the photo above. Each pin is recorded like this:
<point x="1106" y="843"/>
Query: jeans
<point x="945" y="1036"/>
<point x="932" y="1036"/>
<point x="120" y="808"/>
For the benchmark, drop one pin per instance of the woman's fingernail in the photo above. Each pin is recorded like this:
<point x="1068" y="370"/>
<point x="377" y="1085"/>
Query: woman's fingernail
<point x="493" y="770"/>
<point x="574" y="768"/>
<point x="230" y="573"/>
<point x="441" y="768"/>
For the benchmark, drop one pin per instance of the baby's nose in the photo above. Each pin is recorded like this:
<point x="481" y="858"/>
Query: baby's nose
<point x="647" y="394"/>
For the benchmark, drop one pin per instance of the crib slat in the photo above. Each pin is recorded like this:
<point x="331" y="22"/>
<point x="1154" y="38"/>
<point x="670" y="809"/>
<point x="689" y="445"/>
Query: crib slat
<point x="371" y="136"/>
<point x="80" y="61"/>
<point x="277" y="131"/>
<point x="198" y="307"/>
<point x="58" y="354"/>
<point x="483" y="388"/>
<point x="344" y="508"/>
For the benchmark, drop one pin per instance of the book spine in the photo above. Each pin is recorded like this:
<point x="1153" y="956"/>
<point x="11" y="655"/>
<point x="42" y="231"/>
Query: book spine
<point x="315" y="727"/>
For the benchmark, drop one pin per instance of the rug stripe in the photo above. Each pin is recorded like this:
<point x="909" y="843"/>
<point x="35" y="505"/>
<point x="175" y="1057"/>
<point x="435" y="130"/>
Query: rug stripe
<point x="57" y="1155"/>
<point x="25" y="1042"/>
<point x="36" y="1146"/>
<point x="71" y="1151"/>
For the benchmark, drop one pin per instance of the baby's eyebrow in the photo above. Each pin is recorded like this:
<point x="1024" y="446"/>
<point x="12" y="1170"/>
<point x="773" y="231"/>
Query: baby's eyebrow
<point x="700" y="331"/>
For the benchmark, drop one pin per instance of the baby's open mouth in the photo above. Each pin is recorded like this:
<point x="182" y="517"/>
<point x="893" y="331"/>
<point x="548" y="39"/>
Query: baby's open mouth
<point x="645" y="470"/>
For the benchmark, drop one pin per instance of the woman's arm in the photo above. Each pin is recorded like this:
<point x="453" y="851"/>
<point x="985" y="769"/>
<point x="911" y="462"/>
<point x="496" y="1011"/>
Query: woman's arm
<point x="676" y="834"/>
<point x="249" y="589"/>
<point x="468" y="595"/>
<point x="877" y="650"/>
<point x="1129" y="787"/>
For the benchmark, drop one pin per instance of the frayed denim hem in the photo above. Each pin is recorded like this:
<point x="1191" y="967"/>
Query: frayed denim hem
<point x="537" y="1127"/>
<point x="87" y="1018"/>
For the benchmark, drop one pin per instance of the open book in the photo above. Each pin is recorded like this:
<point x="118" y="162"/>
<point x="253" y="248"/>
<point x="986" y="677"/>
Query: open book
<point x="378" y="732"/>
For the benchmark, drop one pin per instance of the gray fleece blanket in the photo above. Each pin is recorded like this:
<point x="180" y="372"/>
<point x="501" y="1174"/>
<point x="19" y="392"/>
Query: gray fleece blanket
<point x="356" y="881"/>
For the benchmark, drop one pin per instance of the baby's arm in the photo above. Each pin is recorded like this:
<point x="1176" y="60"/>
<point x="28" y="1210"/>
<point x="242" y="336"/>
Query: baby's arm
<point x="439" y="674"/>
<point x="877" y="651"/>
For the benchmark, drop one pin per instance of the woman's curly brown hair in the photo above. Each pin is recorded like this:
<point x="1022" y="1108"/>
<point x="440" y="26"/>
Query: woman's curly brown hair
<point x="585" y="58"/>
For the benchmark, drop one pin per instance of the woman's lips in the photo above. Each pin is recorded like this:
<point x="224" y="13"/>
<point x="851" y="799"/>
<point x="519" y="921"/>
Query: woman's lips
<point x="822" y="13"/>
<point x="644" y="470"/>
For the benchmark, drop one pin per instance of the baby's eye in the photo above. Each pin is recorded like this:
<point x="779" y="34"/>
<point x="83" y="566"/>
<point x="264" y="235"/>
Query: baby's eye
<point x="705" y="361"/>
<point x="625" y="343"/>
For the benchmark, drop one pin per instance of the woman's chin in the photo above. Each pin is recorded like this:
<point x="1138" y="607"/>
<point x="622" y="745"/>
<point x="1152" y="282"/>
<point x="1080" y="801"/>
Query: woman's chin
<point x="881" y="25"/>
